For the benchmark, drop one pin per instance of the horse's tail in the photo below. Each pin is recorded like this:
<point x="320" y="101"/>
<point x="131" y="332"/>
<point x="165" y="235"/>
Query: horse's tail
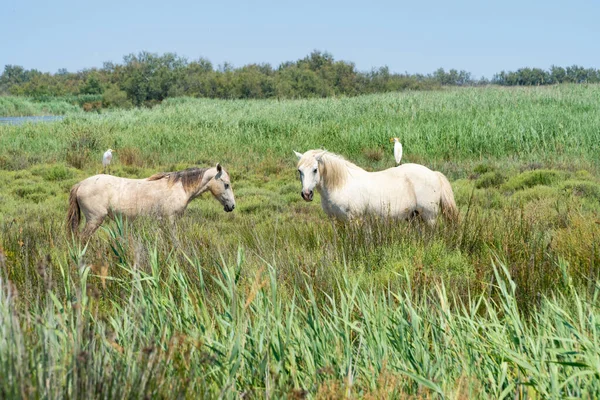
<point x="74" y="213"/>
<point x="447" y="203"/>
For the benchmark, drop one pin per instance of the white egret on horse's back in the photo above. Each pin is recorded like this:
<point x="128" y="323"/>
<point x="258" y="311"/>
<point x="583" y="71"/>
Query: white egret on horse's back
<point x="165" y="194"/>
<point x="348" y="191"/>
<point x="107" y="158"/>
<point x="397" y="149"/>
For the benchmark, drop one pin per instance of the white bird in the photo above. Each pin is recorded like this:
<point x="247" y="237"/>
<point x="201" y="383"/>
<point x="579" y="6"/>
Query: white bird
<point x="107" y="158"/>
<point x="397" y="149"/>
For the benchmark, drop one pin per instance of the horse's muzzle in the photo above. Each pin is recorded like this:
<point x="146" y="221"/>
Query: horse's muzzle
<point x="307" y="196"/>
<point x="229" y="208"/>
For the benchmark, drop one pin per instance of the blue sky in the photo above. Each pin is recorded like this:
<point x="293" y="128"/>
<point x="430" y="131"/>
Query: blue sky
<point x="417" y="36"/>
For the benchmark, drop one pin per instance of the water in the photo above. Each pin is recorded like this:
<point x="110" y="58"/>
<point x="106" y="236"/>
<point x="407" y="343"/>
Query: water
<point x="23" y="120"/>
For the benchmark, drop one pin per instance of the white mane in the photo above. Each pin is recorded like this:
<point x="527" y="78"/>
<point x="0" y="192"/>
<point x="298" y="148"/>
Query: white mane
<point x="333" y="168"/>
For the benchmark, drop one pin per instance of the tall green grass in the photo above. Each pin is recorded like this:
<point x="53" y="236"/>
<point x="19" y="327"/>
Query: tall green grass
<point x="11" y="106"/>
<point x="79" y="99"/>
<point x="550" y="124"/>
<point x="275" y="300"/>
<point x="172" y="333"/>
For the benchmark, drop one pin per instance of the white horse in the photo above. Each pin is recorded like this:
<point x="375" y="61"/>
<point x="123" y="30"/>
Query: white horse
<point x="164" y="194"/>
<point x="348" y="191"/>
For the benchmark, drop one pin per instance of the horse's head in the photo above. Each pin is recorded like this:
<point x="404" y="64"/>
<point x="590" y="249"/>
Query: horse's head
<point x="308" y="168"/>
<point x="220" y="187"/>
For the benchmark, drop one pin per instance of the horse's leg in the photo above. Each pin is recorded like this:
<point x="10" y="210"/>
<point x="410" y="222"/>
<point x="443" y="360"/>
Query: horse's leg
<point x="431" y="222"/>
<point x="429" y="217"/>
<point x="93" y="220"/>
<point x="91" y="226"/>
<point x="172" y="218"/>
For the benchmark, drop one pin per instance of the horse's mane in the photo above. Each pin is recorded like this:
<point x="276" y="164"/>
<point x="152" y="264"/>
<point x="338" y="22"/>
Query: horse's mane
<point x="333" y="168"/>
<point x="190" y="178"/>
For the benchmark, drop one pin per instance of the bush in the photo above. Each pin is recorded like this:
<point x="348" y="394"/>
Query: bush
<point x="93" y="106"/>
<point x="113" y="97"/>
<point x="483" y="168"/>
<point x="490" y="179"/>
<point x="56" y="172"/>
<point x="533" y="178"/>
<point x="35" y="193"/>
<point x="583" y="189"/>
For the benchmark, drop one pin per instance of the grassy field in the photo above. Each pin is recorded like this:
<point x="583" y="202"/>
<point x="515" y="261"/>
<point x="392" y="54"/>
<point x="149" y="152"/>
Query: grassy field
<point x="275" y="300"/>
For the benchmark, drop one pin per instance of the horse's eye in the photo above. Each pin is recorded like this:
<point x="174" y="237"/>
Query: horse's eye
<point x="226" y="186"/>
<point x="314" y="171"/>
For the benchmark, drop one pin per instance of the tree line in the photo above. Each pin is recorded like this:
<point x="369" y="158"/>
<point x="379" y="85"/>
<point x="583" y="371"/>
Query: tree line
<point x="538" y="76"/>
<point x="148" y="78"/>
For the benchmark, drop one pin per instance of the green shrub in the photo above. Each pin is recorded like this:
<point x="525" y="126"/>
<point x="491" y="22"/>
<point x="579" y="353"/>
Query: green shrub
<point x="584" y="175"/>
<point x="35" y="193"/>
<point x="483" y="168"/>
<point x="538" y="192"/>
<point x="57" y="172"/>
<point x="490" y="179"/>
<point x="533" y="178"/>
<point x="583" y="188"/>
<point x="113" y="97"/>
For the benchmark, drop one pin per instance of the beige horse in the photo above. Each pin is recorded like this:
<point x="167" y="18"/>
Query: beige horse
<point x="165" y="194"/>
<point x="348" y="191"/>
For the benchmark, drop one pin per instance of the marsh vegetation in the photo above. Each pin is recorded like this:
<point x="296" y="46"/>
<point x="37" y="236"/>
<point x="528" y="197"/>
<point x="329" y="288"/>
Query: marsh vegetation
<point x="275" y="300"/>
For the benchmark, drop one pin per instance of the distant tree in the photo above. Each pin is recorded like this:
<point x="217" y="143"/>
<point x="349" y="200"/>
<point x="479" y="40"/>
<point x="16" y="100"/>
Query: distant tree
<point x="14" y="76"/>
<point x="557" y="74"/>
<point x="92" y="85"/>
<point x="499" y="78"/>
<point x="226" y="67"/>
<point x="316" y="61"/>
<point x="202" y="65"/>
<point x="196" y="79"/>
<point x="577" y="74"/>
<point x="40" y="85"/>
<point x="464" y="78"/>
<point x="148" y="77"/>
<point x="378" y="79"/>
<point x="452" y="77"/>
<point x="523" y="77"/>
<point x="108" y="67"/>
<point x="593" y="75"/>
<point x="344" y="77"/>
<point x="301" y="82"/>
<point x="483" y="81"/>
<point x="440" y="76"/>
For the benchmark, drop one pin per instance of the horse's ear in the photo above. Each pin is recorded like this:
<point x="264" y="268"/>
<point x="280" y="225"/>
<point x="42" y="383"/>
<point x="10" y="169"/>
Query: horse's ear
<point x="319" y="155"/>
<point x="299" y="155"/>
<point x="219" y="168"/>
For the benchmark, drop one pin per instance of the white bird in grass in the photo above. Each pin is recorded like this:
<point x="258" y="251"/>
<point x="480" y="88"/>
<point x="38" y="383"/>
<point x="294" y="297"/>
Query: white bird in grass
<point x="107" y="158"/>
<point x="397" y="149"/>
